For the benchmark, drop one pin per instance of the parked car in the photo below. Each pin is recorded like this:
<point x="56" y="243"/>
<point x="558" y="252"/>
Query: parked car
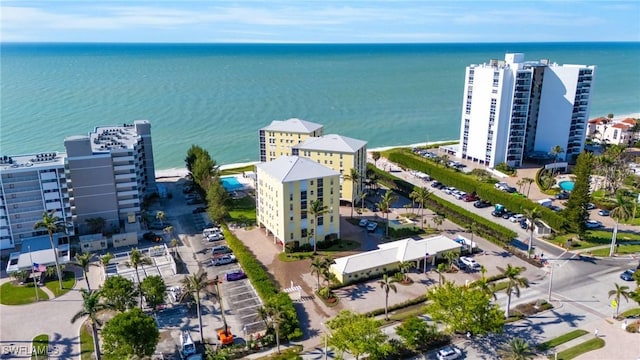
<point x="211" y="230"/>
<point x="460" y="265"/>
<point x="524" y="224"/>
<point x="471" y="263"/>
<point x="627" y="275"/>
<point x="371" y="227"/>
<point x="516" y="218"/>
<point x="591" y="206"/>
<point x="563" y="195"/>
<point x="449" y="190"/>
<point x="234" y="275"/>
<point x="220" y="249"/>
<point x="215" y="237"/>
<point x="604" y="212"/>
<point x="224" y="260"/>
<point x="199" y="209"/>
<point x="481" y="204"/>
<point x="449" y="353"/>
<point x="437" y="185"/>
<point x="507" y="214"/>
<point x="460" y="195"/>
<point x="470" y="198"/>
<point x="363" y="222"/>
<point x="594" y="224"/>
<point x="555" y="208"/>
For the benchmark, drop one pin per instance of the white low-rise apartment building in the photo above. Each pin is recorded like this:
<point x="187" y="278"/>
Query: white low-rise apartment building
<point x="516" y="109"/>
<point x="612" y="131"/>
<point x="286" y="188"/>
<point x="278" y="138"/>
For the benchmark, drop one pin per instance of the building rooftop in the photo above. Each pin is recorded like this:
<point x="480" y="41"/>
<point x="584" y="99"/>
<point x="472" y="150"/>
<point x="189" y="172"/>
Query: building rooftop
<point x="109" y="138"/>
<point x="393" y="252"/>
<point x="295" y="168"/>
<point x="293" y="126"/>
<point x="38" y="250"/>
<point x="30" y="161"/>
<point x="332" y="142"/>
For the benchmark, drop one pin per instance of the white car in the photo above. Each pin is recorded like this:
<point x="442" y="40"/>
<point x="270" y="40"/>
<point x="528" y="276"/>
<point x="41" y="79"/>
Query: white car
<point x="363" y="222"/>
<point x="224" y="260"/>
<point x="516" y="218"/>
<point x="471" y="263"/>
<point x="460" y="194"/>
<point x="449" y="353"/>
<point x="215" y="237"/>
<point x="372" y="226"/>
<point x="450" y="190"/>
<point x="594" y="224"/>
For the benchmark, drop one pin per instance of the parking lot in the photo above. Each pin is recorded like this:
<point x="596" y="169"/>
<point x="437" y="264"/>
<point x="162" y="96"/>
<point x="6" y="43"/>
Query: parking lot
<point x="240" y="301"/>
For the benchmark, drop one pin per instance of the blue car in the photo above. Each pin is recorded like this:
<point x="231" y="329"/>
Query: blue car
<point x="627" y="275"/>
<point x="235" y="275"/>
<point x="524" y="224"/>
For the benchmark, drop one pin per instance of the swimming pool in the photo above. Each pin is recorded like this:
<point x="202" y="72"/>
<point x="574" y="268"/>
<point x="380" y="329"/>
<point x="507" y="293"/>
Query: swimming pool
<point x="566" y="185"/>
<point x="231" y="183"/>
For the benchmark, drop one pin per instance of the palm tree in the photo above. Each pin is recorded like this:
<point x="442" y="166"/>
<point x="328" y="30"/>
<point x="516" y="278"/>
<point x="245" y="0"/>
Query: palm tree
<point x="450" y="257"/>
<point x="485" y="286"/>
<point x="136" y="259"/>
<point x="519" y="183"/>
<point x="437" y="220"/>
<point x="421" y="195"/>
<point x="277" y="317"/>
<point x="161" y="216"/>
<point x="472" y="228"/>
<point x="216" y="282"/>
<point x="318" y="267"/>
<point x="104" y="261"/>
<point x="622" y="211"/>
<point x="555" y="151"/>
<point x="514" y="281"/>
<point x="442" y="267"/>
<point x="174" y="245"/>
<point x="516" y="349"/>
<point x="386" y="284"/>
<point x="316" y="209"/>
<point x="375" y="155"/>
<point x="354" y="177"/>
<point x="385" y="207"/>
<point x="91" y="306"/>
<point x="84" y="261"/>
<point x="404" y="267"/>
<point x="531" y="215"/>
<point x="618" y="292"/>
<point x="196" y="285"/>
<point x="528" y="181"/>
<point x="52" y="224"/>
<point x="168" y="230"/>
<point x="362" y="197"/>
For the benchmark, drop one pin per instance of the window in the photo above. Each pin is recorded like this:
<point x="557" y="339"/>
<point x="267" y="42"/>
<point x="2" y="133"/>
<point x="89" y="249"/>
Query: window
<point x="303" y="233"/>
<point x="320" y="220"/>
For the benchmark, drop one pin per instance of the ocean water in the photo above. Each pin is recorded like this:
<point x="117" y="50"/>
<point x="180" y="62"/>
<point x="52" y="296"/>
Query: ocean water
<point x="219" y="95"/>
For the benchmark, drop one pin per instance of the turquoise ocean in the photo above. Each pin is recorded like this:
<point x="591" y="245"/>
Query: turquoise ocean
<point x="219" y="95"/>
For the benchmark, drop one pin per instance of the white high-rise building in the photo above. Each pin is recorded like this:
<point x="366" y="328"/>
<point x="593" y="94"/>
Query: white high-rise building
<point x="515" y="109"/>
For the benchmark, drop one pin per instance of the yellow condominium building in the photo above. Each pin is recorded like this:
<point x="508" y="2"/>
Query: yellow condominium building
<point x="341" y="154"/>
<point x="286" y="189"/>
<point x="279" y="137"/>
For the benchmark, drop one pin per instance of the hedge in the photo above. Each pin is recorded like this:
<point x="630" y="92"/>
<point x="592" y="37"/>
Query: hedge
<point x="264" y="285"/>
<point x="415" y="301"/>
<point x="406" y="159"/>
<point x="484" y="228"/>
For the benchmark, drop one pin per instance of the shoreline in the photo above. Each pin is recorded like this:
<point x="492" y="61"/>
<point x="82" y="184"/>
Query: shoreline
<point x="182" y="172"/>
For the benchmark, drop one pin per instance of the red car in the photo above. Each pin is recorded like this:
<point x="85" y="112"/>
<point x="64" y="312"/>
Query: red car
<point x="470" y="198"/>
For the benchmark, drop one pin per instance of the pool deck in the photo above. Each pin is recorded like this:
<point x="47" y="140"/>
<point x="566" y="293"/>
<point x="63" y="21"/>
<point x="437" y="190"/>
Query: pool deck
<point x="245" y="183"/>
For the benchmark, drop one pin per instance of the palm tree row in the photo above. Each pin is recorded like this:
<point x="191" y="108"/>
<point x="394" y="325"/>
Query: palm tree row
<point x="385" y="207"/>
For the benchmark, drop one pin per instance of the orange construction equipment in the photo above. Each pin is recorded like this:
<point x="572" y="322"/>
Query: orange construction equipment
<point x="225" y="337"/>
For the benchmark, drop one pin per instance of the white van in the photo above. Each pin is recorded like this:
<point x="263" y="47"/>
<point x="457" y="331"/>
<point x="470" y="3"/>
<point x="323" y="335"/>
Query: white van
<point x="188" y="347"/>
<point x="211" y="231"/>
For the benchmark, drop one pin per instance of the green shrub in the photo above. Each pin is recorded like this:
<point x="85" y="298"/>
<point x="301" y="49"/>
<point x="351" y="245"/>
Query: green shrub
<point x="504" y="168"/>
<point x="265" y="286"/>
<point x="419" y="300"/>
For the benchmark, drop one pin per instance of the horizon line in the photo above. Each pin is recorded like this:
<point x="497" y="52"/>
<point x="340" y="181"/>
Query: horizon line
<point x="324" y="43"/>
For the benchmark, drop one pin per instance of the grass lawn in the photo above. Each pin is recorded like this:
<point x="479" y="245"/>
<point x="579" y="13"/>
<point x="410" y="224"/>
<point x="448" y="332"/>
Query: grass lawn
<point x="630" y="312"/>
<point x="585" y="347"/>
<point x="40" y="347"/>
<point x="561" y="339"/>
<point x="237" y="170"/>
<point x="68" y="281"/>
<point x="243" y="210"/>
<point x="291" y="353"/>
<point x="86" y="342"/>
<point x="596" y="238"/>
<point x="622" y="249"/>
<point x="11" y="294"/>
<point x="407" y="312"/>
<point x="343" y="245"/>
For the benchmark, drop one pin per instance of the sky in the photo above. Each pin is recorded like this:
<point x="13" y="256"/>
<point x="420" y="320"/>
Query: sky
<point x="313" y="21"/>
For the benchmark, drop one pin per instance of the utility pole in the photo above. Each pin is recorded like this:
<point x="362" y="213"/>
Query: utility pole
<point x="550" y="281"/>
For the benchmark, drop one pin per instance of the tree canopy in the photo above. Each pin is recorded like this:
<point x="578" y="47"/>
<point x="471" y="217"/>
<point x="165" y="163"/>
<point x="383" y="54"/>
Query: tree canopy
<point x="356" y="334"/>
<point x="153" y="289"/>
<point x="464" y="309"/>
<point x="576" y="207"/>
<point x="131" y="333"/>
<point x="119" y="292"/>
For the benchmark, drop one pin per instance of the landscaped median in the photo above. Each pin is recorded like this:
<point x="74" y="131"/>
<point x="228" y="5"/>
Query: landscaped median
<point x="265" y="287"/>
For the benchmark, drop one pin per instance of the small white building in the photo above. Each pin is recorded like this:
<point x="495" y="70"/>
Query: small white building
<point x="388" y="256"/>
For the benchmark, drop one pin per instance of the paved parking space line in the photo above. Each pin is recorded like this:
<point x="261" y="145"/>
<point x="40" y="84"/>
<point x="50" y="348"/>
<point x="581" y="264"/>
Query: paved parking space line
<point x="255" y="322"/>
<point x="242" y="293"/>
<point x="239" y="301"/>
<point x="238" y="287"/>
<point x="248" y="307"/>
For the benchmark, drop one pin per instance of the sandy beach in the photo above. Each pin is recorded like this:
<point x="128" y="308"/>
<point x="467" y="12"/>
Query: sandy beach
<point x="182" y="172"/>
